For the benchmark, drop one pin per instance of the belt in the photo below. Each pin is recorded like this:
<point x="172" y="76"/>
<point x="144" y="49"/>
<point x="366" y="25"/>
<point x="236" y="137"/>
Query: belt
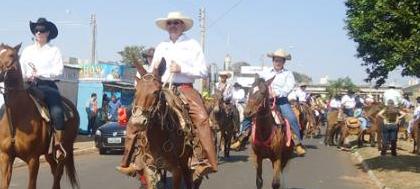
<point x="182" y="84"/>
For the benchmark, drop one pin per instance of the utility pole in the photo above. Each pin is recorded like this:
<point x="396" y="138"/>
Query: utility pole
<point x="204" y="83"/>
<point x="93" y="50"/>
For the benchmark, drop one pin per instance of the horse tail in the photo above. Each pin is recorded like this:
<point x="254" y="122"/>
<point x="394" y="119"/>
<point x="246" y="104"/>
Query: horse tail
<point x="71" y="170"/>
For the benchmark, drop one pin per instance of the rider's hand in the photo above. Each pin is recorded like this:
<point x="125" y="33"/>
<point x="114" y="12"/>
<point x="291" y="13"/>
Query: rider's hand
<point x="174" y="67"/>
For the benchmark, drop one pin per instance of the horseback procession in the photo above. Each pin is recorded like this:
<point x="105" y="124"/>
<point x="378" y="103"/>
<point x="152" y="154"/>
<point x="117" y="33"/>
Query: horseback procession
<point x="173" y="128"/>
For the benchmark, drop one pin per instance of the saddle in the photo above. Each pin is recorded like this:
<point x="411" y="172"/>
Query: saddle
<point x="353" y="124"/>
<point x="179" y="104"/>
<point x="38" y="98"/>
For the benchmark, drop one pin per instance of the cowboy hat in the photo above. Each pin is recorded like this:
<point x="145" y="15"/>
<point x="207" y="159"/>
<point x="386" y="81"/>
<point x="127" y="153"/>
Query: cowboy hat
<point x="49" y="26"/>
<point x="280" y="53"/>
<point x="226" y="73"/>
<point x="303" y="84"/>
<point x="161" y="22"/>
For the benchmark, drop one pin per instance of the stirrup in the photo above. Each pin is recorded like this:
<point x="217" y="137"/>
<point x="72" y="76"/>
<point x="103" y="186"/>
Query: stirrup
<point x="63" y="151"/>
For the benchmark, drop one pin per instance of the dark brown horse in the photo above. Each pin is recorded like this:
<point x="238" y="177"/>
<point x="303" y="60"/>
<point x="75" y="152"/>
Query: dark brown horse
<point x="416" y="136"/>
<point x="226" y="117"/>
<point x="333" y="125"/>
<point x="24" y="133"/>
<point x="162" y="142"/>
<point x="268" y="140"/>
<point x="373" y="131"/>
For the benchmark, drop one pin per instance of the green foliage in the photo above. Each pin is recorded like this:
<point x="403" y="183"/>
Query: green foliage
<point x="388" y="36"/>
<point x="302" y="78"/>
<point x="132" y="54"/>
<point x="341" y="85"/>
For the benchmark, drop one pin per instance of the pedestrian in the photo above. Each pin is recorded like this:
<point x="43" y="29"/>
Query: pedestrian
<point x="91" y="110"/>
<point x="185" y="63"/>
<point x="42" y="65"/>
<point x="282" y="85"/>
<point x="391" y="115"/>
<point x="114" y="104"/>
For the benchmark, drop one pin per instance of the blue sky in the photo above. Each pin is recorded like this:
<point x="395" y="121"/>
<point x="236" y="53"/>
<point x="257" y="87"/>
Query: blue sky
<point x="311" y="30"/>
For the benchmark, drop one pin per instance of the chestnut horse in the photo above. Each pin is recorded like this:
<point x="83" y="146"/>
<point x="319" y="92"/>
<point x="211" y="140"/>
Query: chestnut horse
<point x="226" y="117"/>
<point x="416" y="136"/>
<point x="24" y="133"/>
<point x="162" y="143"/>
<point x="264" y="129"/>
<point x="370" y="112"/>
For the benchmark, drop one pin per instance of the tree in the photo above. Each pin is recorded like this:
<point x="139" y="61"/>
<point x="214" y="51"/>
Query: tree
<point x="341" y="85"/>
<point x="132" y="54"/>
<point x="300" y="77"/>
<point x="388" y="36"/>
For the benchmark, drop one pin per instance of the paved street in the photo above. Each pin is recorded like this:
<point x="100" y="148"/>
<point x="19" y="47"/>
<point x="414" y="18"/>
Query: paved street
<point x="322" y="168"/>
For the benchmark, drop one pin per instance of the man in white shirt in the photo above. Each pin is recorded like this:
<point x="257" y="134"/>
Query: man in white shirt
<point x="392" y="94"/>
<point x="185" y="63"/>
<point x="348" y="102"/>
<point x="41" y="65"/>
<point x="238" y="98"/>
<point x="301" y="93"/>
<point x="416" y="116"/>
<point x="224" y="86"/>
<point x="335" y="103"/>
<point x="282" y="85"/>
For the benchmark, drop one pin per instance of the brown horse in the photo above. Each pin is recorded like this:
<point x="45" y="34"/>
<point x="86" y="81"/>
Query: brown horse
<point x="162" y="143"/>
<point x="264" y="129"/>
<point x="306" y="119"/>
<point x="226" y="117"/>
<point x="416" y="136"/>
<point x="370" y="112"/>
<point x="24" y="133"/>
<point x="333" y="125"/>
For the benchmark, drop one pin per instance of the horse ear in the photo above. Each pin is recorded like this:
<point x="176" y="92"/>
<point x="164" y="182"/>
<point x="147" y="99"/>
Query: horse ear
<point x="268" y="82"/>
<point x="17" y="47"/>
<point x="141" y="70"/>
<point x="161" y="68"/>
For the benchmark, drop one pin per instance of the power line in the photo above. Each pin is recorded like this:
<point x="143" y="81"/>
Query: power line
<point x="224" y="14"/>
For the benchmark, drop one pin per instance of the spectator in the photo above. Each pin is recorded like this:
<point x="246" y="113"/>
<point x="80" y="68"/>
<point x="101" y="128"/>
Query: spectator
<point x="114" y="104"/>
<point x="91" y="110"/>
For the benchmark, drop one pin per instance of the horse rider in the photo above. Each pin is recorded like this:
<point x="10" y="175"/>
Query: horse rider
<point x="282" y="85"/>
<point x="238" y="99"/>
<point x="301" y="94"/>
<point x="185" y="62"/>
<point x="405" y="101"/>
<point x="391" y="116"/>
<point x="348" y="103"/>
<point x="42" y="65"/>
<point x="392" y="94"/>
<point x="369" y="100"/>
<point x="224" y="86"/>
<point x="416" y="116"/>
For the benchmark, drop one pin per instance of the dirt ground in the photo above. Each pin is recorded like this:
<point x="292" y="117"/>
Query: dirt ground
<point x="401" y="172"/>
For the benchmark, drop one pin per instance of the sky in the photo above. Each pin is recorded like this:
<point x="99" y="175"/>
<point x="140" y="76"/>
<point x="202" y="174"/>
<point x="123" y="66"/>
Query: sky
<point x="311" y="30"/>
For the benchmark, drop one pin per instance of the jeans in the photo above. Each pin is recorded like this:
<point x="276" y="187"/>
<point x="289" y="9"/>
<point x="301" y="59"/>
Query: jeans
<point x="53" y="101"/>
<point x="389" y="134"/>
<point x="246" y="124"/>
<point x="286" y="110"/>
<point x="349" y="112"/>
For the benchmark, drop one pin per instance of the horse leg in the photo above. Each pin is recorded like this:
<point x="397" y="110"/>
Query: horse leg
<point x="33" y="165"/>
<point x="177" y="178"/>
<point x="277" y="174"/>
<point x="58" y="174"/>
<point x="6" y="165"/>
<point x="259" y="180"/>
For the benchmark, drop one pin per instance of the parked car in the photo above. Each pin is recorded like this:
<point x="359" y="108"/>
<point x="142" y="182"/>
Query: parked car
<point x="110" y="137"/>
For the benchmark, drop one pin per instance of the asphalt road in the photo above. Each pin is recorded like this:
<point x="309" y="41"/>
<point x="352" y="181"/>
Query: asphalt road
<point x="322" y="168"/>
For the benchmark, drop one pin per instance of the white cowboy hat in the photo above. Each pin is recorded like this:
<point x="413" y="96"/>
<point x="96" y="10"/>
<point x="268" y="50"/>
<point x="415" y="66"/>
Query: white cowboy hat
<point x="303" y="84"/>
<point x="280" y="53"/>
<point x="161" y="22"/>
<point x="226" y="73"/>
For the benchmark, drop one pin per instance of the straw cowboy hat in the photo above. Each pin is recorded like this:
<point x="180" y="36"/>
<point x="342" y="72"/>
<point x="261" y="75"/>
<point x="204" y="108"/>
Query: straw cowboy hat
<point x="49" y="26"/>
<point x="280" y="53"/>
<point x="161" y="22"/>
<point x="226" y="73"/>
<point x="303" y="84"/>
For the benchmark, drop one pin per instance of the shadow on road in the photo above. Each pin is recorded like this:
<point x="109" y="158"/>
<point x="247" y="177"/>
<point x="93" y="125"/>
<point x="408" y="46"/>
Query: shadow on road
<point x="234" y="158"/>
<point x="310" y="146"/>
<point x="399" y="163"/>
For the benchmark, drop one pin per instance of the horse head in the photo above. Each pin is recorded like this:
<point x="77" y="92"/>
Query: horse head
<point x="8" y="59"/>
<point x="147" y="96"/>
<point x="258" y="97"/>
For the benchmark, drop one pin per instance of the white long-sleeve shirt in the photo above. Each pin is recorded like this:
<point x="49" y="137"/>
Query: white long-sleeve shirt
<point x="394" y="95"/>
<point x="238" y="95"/>
<point x="227" y="90"/>
<point x="298" y="93"/>
<point x="334" y="103"/>
<point x="283" y="83"/>
<point x="47" y="61"/>
<point x="185" y="52"/>
<point x="348" y="101"/>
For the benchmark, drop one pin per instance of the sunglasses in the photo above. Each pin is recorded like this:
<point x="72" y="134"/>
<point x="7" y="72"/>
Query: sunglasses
<point x="41" y="30"/>
<point x="173" y="23"/>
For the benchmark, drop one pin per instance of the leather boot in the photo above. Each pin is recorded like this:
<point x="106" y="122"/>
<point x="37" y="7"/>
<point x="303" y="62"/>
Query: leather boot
<point x="300" y="151"/>
<point x="394" y="148"/>
<point x="60" y="152"/>
<point x="130" y="139"/>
